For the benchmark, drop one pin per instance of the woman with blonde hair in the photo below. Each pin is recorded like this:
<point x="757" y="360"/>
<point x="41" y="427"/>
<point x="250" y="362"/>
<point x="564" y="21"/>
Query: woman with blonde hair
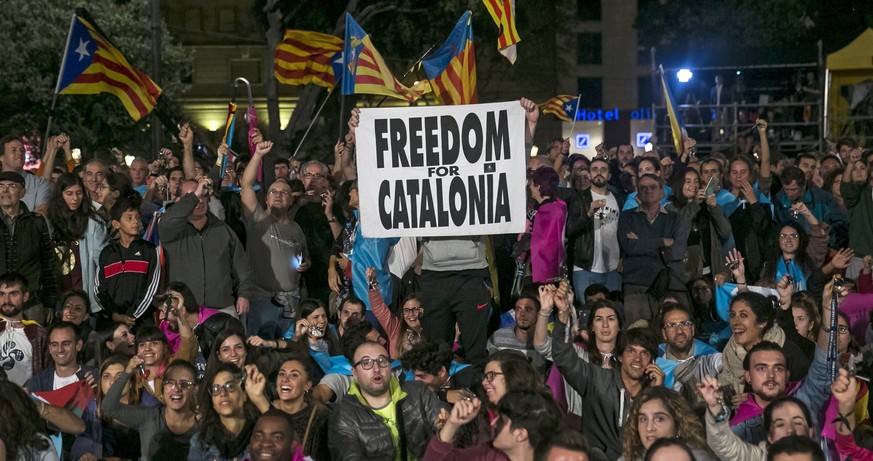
<point x="661" y="413"/>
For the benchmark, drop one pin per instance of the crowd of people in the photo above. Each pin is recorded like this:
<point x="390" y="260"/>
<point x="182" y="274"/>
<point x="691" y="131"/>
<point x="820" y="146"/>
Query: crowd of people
<point x="231" y="318"/>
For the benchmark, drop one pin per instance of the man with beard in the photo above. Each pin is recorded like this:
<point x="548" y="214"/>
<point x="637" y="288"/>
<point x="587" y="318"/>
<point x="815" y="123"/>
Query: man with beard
<point x="766" y="372"/>
<point x="623" y="157"/>
<point x="607" y="393"/>
<point x="519" y="337"/>
<point x="593" y="230"/>
<point x="351" y="310"/>
<point x="22" y="342"/>
<point x="277" y="250"/>
<point x="204" y="253"/>
<point x="680" y="348"/>
<point x="365" y="424"/>
<point x="26" y="247"/>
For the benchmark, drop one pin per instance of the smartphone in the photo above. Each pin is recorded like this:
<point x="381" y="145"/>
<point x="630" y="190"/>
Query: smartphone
<point x="712" y="186"/>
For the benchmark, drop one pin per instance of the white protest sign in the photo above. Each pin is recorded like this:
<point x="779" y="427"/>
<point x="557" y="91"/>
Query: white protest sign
<point x="442" y="170"/>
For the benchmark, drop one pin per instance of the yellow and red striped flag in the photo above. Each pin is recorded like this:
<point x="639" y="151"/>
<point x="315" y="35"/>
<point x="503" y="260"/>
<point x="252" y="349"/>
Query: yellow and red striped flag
<point x="92" y="65"/>
<point x="364" y="70"/>
<point x="562" y="106"/>
<point x="452" y="68"/>
<point x="677" y="126"/>
<point x="308" y="57"/>
<point x="503" y="13"/>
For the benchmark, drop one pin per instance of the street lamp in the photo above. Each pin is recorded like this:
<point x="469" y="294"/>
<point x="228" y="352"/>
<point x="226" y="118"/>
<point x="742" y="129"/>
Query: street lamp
<point x="684" y="75"/>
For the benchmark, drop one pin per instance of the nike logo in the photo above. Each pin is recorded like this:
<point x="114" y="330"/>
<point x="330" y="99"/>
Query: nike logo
<point x="480" y="306"/>
<point x="137" y="254"/>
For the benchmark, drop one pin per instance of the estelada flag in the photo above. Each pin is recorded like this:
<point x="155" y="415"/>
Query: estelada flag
<point x="503" y="13"/>
<point x="452" y="68"/>
<point x="308" y="57"/>
<point x="365" y="71"/>
<point x="92" y="65"/>
<point x="562" y="106"/>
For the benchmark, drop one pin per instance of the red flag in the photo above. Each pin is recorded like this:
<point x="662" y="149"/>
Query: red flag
<point x="74" y="397"/>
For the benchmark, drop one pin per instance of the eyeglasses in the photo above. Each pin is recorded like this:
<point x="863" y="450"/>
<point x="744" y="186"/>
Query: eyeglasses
<point x="412" y="310"/>
<point x="789" y="236"/>
<point x="229" y="387"/>
<point x="701" y="289"/>
<point x="178" y="384"/>
<point x="283" y="193"/>
<point x="9" y="186"/>
<point x="313" y="175"/>
<point x="489" y="376"/>
<point x="674" y="326"/>
<point x="367" y="363"/>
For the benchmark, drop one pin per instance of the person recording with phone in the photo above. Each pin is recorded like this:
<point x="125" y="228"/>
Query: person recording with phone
<point x="710" y="228"/>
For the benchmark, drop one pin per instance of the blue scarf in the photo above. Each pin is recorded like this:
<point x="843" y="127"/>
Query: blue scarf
<point x="794" y="271"/>
<point x="730" y="204"/>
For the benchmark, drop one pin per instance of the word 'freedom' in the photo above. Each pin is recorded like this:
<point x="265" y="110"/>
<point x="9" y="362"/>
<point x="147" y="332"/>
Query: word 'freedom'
<point x="446" y="197"/>
<point x="439" y="141"/>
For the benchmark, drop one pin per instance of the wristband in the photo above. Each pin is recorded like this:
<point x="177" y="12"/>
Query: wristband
<point x="548" y="313"/>
<point x="331" y="219"/>
<point x="724" y="411"/>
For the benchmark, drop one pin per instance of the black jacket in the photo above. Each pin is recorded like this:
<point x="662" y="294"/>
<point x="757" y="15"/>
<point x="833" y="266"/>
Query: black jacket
<point x="580" y="228"/>
<point x="356" y="433"/>
<point x="28" y="250"/>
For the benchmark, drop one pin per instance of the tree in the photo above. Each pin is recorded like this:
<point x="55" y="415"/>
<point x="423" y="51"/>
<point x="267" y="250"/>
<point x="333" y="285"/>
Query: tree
<point x="736" y="32"/>
<point x="34" y="33"/>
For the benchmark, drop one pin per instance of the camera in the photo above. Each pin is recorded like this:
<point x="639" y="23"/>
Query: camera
<point x="838" y="283"/>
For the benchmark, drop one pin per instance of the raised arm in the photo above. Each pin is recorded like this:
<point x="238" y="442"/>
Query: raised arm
<point x="531" y="117"/>
<point x="186" y="135"/>
<point x="761" y="125"/>
<point x="247" y="183"/>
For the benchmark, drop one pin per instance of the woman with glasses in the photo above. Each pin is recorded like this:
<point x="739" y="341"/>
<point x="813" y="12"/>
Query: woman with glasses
<point x="165" y="433"/>
<point x="227" y="417"/>
<point x="710" y="228"/>
<point x="403" y="332"/>
<point x="308" y="419"/>
<point x="78" y="236"/>
<point x="798" y="255"/>
<point x="661" y="413"/>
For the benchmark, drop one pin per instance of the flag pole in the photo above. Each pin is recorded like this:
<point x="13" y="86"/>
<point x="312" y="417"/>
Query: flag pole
<point x="576" y="115"/>
<point x="315" y="117"/>
<point x="48" y="127"/>
<point x="411" y="68"/>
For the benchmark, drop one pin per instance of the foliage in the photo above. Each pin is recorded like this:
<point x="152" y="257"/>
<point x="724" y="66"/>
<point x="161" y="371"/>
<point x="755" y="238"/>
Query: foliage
<point x="732" y="32"/>
<point x="35" y="33"/>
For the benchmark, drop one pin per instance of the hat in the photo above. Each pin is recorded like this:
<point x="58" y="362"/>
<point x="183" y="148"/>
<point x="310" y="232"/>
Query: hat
<point x="11" y="176"/>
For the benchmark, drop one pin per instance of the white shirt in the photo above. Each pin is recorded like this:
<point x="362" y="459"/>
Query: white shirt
<point x="606" y="251"/>
<point x="62" y="382"/>
<point x="16" y="355"/>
